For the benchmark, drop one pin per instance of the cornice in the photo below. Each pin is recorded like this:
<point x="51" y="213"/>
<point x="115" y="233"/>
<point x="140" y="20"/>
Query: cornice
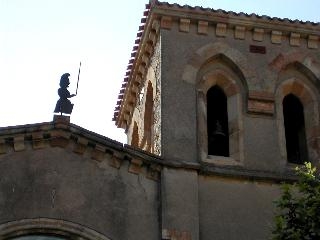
<point x="98" y="148"/>
<point x="62" y="134"/>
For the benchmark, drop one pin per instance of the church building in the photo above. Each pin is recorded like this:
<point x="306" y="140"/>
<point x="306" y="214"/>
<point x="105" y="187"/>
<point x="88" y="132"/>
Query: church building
<point x="218" y="107"/>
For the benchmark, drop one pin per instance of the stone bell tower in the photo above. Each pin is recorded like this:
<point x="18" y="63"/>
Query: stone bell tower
<point x="208" y="86"/>
<point x="231" y="103"/>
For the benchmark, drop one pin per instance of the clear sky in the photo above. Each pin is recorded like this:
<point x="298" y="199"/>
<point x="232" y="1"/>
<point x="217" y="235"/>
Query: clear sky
<point x="42" y="39"/>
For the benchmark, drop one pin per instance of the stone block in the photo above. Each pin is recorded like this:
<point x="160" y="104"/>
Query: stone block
<point x="37" y="140"/>
<point x="152" y="37"/>
<point x="80" y="148"/>
<point x="145" y="59"/>
<point x="260" y="102"/>
<point x="313" y="41"/>
<point x="166" y="22"/>
<point x="295" y="39"/>
<point x="18" y="143"/>
<point x="184" y="25"/>
<point x="156" y="25"/>
<point x="98" y="152"/>
<point x="221" y="30"/>
<point x="135" y="165"/>
<point x="287" y="88"/>
<point x="260" y="107"/>
<point x="258" y="34"/>
<point x="231" y="90"/>
<point x="148" y="48"/>
<point x="297" y="88"/>
<point x="276" y="37"/>
<point x="222" y="82"/>
<point x="115" y="161"/>
<point x="142" y="69"/>
<point x="202" y="27"/>
<point x="59" y="138"/>
<point x="305" y="97"/>
<point x="239" y="32"/>
<point x="3" y="147"/>
<point x="153" y="172"/>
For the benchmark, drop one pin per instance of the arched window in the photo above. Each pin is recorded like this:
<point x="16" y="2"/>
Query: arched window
<point x="135" y="135"/>
<point x="293" y="115"/>
<point x="217" y="122"/>
<point x="148" y="118"/>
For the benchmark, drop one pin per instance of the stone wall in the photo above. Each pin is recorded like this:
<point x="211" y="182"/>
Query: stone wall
<point x="53" y="176"/>
<point x="236" y="209"/>
<point x="258" y="61"/>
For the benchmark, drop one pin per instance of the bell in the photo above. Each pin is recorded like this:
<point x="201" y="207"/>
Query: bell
<point x="218" y="130"/>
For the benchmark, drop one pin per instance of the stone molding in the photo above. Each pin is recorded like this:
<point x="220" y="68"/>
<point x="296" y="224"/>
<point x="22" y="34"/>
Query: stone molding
<point x="241" y="31"/>
<point x="58" y="227"/>
<point x="81" y="142"/>
<point x="260" y="102"/>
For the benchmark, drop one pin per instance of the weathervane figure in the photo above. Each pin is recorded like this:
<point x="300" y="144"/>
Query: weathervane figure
<point x="63" y="104"/>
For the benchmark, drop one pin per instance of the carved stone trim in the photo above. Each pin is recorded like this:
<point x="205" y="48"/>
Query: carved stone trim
<point x="18" y="143"/>
<point x="258" y="34"/>
<point x="221" y="30"/>
<point x="295" y="39"/>
<point x="239" y="32"/>
<point x="260" y="102"/>
<point x="313" y="41"/>
<point x="184" y="25"/>
<point x="276" y="37"/>
<point x="58" y="227"/>
<point x="166" y="22"/>
<point x="203" y="27"/>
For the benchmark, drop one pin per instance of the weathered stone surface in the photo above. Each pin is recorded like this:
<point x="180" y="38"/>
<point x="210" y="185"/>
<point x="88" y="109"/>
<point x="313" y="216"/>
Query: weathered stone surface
<point x="56" y="183"/>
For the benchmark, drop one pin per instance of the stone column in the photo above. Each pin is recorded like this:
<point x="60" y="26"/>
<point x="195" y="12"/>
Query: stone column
<point x="179" y="204"/>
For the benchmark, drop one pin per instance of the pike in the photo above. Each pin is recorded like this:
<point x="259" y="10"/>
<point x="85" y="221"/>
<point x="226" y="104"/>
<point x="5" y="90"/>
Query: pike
<point x="78" y="78"/>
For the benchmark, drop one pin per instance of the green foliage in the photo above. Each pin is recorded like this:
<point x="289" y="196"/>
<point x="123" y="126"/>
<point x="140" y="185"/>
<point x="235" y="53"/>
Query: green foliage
<point x="299" y="207"/>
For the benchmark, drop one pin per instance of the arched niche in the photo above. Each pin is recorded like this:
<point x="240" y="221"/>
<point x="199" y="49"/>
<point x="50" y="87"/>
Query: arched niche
<point x="53" y="229"/>
<point x="220" y="71"/>
<point x="295" y="79"/>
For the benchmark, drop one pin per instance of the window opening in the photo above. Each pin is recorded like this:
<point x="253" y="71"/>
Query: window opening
<point x="294" y="130"/>
<point x="217" y="122"/>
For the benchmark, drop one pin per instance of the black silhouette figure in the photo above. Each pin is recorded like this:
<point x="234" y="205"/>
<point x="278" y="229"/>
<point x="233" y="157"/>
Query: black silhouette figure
<point x="63" y="104"/>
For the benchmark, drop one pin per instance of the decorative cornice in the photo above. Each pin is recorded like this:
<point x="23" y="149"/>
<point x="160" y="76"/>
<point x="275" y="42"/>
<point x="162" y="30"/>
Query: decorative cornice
<point x="80" y="141"/>
<point x="99" y="148"/>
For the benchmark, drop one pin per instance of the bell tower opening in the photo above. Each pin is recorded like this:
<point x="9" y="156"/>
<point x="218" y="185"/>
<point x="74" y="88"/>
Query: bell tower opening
<point x="148" y="118"/>
<point x="293" y="115"/>
<point x="217" y="122"/>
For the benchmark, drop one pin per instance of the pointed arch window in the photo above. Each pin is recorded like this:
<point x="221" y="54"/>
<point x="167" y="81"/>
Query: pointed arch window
<point x="135" y="135"/>
<point x="294" y="124"/>
<point x="148" y="119"/>
<point x="217" y="122"/>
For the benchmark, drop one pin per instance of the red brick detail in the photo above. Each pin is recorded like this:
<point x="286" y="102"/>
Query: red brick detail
<point x="231" y="90"/>
<point x="174" y="234"/>
<point x="166" y="22"/>
<point x="261" y="102"/>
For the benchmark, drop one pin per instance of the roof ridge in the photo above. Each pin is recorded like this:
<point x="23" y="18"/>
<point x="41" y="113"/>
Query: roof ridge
<point x="249" y="15"/>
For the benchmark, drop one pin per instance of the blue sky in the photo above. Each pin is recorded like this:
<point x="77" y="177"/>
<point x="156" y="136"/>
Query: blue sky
<point x="42" y="39"/>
